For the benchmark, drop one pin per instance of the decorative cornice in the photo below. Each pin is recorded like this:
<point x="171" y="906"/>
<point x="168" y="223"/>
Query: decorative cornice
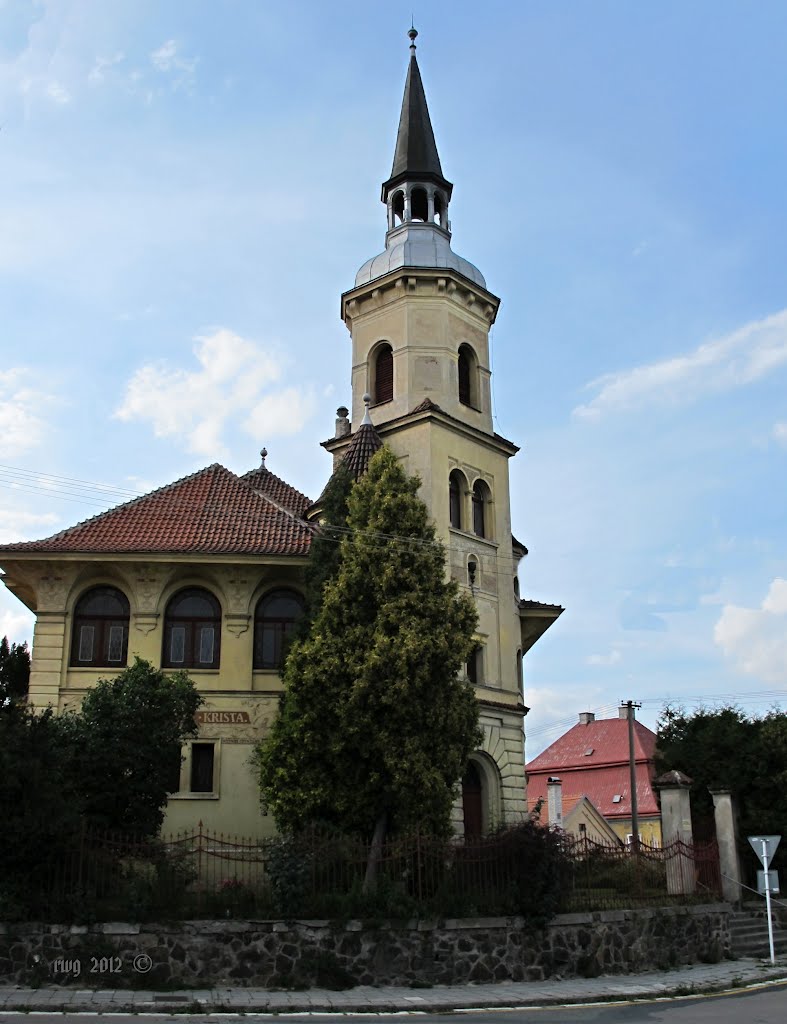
<point x="433" y="282"/>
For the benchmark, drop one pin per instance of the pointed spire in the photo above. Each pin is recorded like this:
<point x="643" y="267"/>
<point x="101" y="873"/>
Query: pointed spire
<point x="415" y="157"/>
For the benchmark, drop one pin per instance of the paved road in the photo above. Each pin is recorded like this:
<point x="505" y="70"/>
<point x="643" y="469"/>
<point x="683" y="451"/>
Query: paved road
<point x="763" y="1006"/>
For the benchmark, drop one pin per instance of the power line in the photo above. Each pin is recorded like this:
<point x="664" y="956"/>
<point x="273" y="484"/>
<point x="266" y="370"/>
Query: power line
<point x="79" y="490"/>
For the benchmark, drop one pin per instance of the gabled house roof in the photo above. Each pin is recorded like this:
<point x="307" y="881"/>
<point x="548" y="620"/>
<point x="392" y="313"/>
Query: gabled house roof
<point x="209" y="512"/>
<point x="592" y="760"/>
<point x="597" y="743"/>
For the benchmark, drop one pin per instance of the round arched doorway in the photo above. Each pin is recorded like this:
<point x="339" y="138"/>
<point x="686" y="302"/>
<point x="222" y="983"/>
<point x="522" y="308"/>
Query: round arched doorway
<point x="472" y="802"/>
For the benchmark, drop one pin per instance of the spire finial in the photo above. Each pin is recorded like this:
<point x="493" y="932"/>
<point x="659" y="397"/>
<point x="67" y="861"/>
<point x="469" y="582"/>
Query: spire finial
<point x="413" y="34"/>
<point x="367" y="401"/>
<point x="263" y="456"/>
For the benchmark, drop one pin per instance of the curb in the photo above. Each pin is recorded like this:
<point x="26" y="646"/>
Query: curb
<point x="186" y="1003"/>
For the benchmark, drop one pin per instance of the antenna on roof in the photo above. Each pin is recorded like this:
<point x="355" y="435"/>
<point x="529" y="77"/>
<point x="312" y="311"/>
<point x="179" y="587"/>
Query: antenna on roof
<point x="263" y="456"/>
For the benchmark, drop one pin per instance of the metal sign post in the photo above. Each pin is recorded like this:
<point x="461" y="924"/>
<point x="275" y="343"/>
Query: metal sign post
<point x="765" y="847"/>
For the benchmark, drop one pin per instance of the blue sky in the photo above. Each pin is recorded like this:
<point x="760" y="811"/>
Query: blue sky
<point x="188" y="188"/>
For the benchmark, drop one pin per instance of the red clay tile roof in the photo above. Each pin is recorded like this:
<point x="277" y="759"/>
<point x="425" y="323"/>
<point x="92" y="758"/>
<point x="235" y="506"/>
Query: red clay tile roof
<point x="209" y="512"/>
<point x="278" y="490"/>
<point x="364" y="445"/>
<point x="600" y="785"/>
<point x="603" y="773"/>
<point x="608" y="739"/>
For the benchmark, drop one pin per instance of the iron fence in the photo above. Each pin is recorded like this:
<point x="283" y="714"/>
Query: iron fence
<point x="211" y="874"/>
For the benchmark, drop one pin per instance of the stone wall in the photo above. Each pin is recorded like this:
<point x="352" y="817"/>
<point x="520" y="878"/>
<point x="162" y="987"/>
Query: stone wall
<point x="302" y="954"/>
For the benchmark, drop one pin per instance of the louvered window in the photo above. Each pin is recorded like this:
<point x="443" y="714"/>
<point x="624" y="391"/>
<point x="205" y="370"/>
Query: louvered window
<point x="383" y="375"/>
<point x="464" y="377"/>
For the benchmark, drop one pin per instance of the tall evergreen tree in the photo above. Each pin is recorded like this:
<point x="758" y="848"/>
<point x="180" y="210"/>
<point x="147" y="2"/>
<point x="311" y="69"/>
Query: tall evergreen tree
<point x="325" y="550"/>
<point x="724" y="748"/>
<point x="14" y="672"/>
<point x="376" y="726"/>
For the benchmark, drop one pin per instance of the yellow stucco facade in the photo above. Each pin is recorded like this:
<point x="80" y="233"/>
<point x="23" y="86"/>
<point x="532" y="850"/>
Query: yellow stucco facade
<point x="52" y="588"/>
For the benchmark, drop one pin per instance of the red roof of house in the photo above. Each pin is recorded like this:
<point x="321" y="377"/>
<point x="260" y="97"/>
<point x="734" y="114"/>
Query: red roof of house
<point x="278" y="490"/>
<point x="597" y="743"/>
<point x="600" y="786"/>
<point x="210" y="512"/>
<point x="593" y="760"/>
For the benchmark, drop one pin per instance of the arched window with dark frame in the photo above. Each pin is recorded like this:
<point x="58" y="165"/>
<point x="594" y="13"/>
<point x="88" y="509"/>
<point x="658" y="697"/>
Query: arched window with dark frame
<point x="275" y="619"/>
<point x="100" y="634"/>
<point x="456" y="490"/>
<point x="192" y="630"/>
<point x="474" y="665"/>
<point x="383" y="375"/>
<point x="481" y="509"/>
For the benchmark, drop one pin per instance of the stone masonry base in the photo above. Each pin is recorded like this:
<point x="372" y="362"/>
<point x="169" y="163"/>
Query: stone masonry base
<point x="302" y="954"/>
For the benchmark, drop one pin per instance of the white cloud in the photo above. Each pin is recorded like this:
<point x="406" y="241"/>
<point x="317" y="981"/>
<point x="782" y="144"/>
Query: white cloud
<point x="21" y="424"/>
<point x="751" y="352"/>
<point x="780" y="433"/>
<point x="168" y="59"/>
<point x="16" y="625"/>
<point x="282" y="414"/>
<point x="18" y="524"/>
<point x="102" y="65"/>
<point x="756" y="638"/>
<point x="605" y="660"/>
<point x="58" y="93"/>
<point x="232" y="384"/>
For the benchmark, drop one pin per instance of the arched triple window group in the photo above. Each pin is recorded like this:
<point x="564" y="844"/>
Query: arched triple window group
<point x="192" y="628"/>
<point x="480" y="504"/>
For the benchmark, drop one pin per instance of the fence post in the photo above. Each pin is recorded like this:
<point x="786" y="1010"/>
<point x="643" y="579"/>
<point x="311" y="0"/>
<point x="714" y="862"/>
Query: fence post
<point x="676" y="829"/>
<point x="726" y="818"/>
<point x="81" y="857"/>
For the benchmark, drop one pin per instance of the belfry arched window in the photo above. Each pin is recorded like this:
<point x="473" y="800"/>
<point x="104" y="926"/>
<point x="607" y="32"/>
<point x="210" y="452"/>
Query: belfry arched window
<point x="383" y="375"/>
<point x="439" y="209"/>
<point x="275" y="619"/>
<point x="481" y="511"/>
<point x="468" y="377"/>
<point x="419" y="205"/>
<point x="100" y="634"/>
<point x="456" y="493"/>
<point x="192" y="630"/>
<point x="397" y="205"/>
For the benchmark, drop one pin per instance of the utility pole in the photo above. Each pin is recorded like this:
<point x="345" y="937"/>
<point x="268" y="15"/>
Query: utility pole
<point x="630" y="706"/>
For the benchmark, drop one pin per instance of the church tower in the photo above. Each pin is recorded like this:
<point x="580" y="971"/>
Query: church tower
<point x="419" y="317"/>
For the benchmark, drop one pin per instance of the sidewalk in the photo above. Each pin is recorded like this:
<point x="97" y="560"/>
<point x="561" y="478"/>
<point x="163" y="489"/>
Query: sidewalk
<point x="730" y="974"/>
